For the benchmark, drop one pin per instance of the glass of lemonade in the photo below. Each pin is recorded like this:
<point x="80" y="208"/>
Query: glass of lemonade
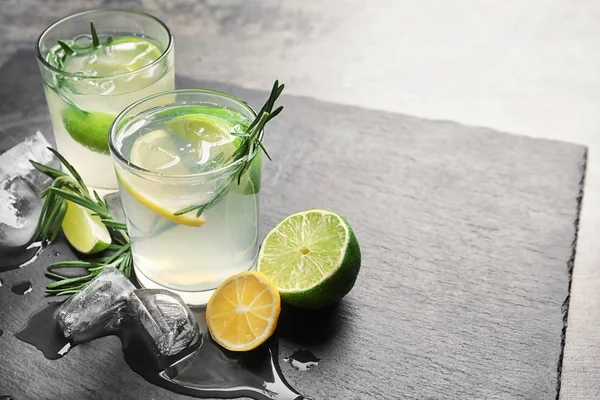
<point x="89" y="78"/>
<point x="176" y="150"/>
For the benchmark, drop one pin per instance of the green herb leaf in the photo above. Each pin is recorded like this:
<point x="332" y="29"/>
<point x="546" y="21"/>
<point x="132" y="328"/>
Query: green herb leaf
<point x="248" y="148"/>
<point x="65" y="188"/>
<point x="66" y="48"/>
<point x="95" y="40"/>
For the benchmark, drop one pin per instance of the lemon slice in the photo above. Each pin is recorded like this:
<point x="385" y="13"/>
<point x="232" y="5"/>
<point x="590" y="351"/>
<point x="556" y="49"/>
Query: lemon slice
<point x="84" y="231"/>
<point x="243" y="311"/>
<point x="161" y="208"/>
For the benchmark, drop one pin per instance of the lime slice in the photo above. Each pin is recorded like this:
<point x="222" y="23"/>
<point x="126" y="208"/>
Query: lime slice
<point x="158" y="152"/>
<point x="84" y="231"/>
<point x="208" y="135"/>
<point x="313" y="257"/>
<point x="89" y="129"/>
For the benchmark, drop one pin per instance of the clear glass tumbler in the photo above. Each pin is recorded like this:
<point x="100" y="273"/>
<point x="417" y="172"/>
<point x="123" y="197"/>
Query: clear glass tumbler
<point x="169" y="156"/>
<point x="88" y="82"/>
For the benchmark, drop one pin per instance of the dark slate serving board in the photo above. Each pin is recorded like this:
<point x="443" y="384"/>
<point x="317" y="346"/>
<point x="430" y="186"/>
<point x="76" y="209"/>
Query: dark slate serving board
<point x="467" y="238"/>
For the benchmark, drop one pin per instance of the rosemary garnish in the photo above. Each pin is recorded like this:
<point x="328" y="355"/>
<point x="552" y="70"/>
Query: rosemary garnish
<point x="72" y="188"/>
<point x="249" y="148"/>
<point x="70" y="48"/>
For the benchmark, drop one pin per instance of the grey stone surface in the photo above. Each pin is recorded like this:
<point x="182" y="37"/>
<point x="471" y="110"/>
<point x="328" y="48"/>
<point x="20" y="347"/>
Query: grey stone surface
<point x="467" y="237"/>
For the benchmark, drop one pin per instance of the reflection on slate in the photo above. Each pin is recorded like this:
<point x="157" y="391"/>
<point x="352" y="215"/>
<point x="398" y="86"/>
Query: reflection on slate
<point x="467" y="237"/>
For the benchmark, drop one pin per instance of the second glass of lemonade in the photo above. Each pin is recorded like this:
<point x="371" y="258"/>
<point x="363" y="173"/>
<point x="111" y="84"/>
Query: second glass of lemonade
<point x="177" y="150"/>
<point x="93" y="65"/>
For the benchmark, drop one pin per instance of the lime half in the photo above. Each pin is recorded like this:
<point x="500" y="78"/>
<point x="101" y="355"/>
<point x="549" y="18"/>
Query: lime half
<point x="313" y="257"/>
<point x="84" y="231"/>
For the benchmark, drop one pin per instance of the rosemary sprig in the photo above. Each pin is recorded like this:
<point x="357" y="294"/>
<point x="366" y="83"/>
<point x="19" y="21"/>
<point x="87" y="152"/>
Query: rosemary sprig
<point x="71" y="187"/>
<point x="248" y="149"/>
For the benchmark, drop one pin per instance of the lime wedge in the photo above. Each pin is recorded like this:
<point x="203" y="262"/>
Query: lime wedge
<point x="313" y="257"/>
<point x="84" y="231"/>
<point x="89" y="129"/>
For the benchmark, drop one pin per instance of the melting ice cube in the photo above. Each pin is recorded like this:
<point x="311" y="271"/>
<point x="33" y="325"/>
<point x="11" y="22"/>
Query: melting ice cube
<point x="15" y="161"/>
<point x="115" y="206"/>
<point x="96" y="307"/>
<point x="20" y="208"/>
<point x="164" y="319"/>
<point x="20" y="184"/>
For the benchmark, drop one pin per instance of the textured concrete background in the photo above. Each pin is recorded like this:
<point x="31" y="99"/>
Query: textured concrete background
<point x="526" y="67"/>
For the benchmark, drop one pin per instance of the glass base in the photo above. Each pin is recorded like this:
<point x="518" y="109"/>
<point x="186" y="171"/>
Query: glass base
<point x="194" y="299"/>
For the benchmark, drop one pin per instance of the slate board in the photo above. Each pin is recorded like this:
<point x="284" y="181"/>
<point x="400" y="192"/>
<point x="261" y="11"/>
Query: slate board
<point x="467" y="239"/>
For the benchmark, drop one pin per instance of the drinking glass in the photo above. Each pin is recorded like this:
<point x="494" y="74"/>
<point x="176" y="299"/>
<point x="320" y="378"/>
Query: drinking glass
<point x="83" y="105"/>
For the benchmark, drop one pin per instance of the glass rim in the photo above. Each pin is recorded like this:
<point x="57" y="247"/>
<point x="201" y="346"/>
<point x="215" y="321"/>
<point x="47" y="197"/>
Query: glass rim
<point x="46" y="64"/>
<point x="114" y="130"/>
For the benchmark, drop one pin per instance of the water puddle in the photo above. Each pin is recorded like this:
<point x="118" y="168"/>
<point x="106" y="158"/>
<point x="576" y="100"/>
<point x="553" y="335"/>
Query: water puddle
<point x="42" y="331"/>
<point x="20" y="258"/>
<point x="22" y="288"/>
<point x="204" y="371"/>
<point x="302" y="360"/>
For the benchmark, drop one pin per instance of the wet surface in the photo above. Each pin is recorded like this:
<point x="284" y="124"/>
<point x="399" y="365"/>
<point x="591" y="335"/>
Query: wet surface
<point x="42" y="331"/>
<point x="205" y="370"/>
<point x="22" y="288"/>
<point x="20" y="258"/>
<point x="302" y="360"/>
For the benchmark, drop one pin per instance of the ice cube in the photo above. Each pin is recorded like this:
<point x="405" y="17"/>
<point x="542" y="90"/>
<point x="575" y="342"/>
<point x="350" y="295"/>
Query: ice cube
<point x="165" y="319"/>
<point x="96" y="308"/>
<point x="20" y="207"/>
<point x="20" y="184"/>
<point x="115" y="207"/>
<point x="15" y="161"/>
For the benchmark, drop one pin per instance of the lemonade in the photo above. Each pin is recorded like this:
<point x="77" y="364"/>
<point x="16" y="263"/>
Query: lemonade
<point x="177" y="150"/>
<point x="89" y="77"/>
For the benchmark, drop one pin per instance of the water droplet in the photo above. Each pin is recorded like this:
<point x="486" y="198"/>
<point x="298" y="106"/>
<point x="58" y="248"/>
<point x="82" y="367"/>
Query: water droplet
<point x="22" y="288"/>
<point x="1" y="332"/>
<point x="57" y="253"/>
<point x="302" y="360"/>
<point x="1" y="282"/>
